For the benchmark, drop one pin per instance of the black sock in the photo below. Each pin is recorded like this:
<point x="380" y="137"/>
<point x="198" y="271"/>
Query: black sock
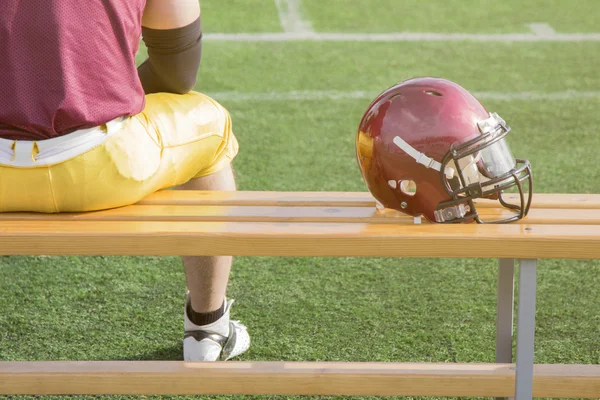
<point x="204" y="318"/>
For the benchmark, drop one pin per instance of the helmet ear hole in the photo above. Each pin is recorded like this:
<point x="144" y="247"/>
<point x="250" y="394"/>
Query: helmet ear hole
<point x="408" y="187"/>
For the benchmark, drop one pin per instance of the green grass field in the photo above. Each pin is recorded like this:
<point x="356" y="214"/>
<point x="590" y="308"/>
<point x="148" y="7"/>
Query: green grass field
<point x="346" y="309"/>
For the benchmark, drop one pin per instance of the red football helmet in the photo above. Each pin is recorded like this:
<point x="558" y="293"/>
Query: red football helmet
<point x="427" y="147"/>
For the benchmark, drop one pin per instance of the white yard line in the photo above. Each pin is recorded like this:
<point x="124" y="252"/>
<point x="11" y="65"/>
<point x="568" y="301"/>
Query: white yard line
<point x="291" y="18"/>
<point x="304" y="95"/>
<point x="566" y="95"/>
<point x="296" y="28"/>
<point x="401" y="37"/>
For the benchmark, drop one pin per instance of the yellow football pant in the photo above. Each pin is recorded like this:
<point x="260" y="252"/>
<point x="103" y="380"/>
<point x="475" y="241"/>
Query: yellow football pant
<point x="176" y="138"/>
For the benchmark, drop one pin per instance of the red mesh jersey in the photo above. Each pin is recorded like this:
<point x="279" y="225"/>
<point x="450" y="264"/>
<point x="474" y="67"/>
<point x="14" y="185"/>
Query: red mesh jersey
<point x="67" y="65"/>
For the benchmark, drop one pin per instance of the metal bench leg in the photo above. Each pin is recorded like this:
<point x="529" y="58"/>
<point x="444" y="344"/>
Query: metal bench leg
<point x="505" y="310"/>
<point x="525" y="328"/>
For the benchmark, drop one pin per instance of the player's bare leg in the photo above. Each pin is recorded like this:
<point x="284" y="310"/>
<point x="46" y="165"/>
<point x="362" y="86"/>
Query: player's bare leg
<point x="210" y="335"/>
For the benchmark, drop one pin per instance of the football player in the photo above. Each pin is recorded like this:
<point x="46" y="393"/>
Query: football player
<point x="82" y="129"/>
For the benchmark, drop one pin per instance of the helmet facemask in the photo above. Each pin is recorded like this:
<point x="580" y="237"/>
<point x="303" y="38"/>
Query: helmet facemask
<point x="484" y="168"/>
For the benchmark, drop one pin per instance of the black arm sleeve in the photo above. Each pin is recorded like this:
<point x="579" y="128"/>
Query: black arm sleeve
<point x="173" y="59"/>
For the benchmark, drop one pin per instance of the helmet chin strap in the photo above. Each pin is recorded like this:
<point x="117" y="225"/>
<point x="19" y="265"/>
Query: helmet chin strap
<point x="421" y="158"/>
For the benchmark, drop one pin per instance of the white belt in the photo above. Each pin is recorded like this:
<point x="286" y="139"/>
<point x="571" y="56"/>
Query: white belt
<point x="34" y="153"/>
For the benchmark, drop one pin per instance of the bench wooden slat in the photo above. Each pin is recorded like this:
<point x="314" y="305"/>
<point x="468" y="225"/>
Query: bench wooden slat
<point x="555" y="201"/>
<point x="292" y="378"/>
<point x="340" y="199"/>
<point x="295" y="214"/>
<point x="257" y="198"/>
<point x="222" y="213"/>
<point x="299" y="239"/>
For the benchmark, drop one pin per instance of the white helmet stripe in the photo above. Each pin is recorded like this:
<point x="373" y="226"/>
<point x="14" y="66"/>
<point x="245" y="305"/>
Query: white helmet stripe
<point x="421" y="158"/>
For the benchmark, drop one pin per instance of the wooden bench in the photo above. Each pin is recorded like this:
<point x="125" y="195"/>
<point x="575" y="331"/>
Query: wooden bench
<point x="315" y="224"/>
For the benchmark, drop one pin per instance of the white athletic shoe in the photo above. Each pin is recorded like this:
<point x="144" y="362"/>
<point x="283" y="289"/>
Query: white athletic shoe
<point x="218" y="341"/>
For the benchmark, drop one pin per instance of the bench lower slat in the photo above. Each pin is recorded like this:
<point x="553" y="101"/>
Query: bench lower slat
<point x="292" y="378"/>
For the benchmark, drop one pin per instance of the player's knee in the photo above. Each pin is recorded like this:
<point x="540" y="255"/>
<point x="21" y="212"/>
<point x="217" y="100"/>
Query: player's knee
<point x="223" y="179"/>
